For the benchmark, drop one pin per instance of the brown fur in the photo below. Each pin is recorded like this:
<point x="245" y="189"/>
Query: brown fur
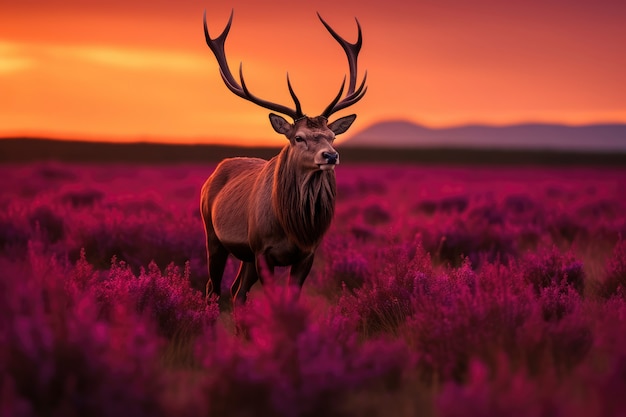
<point x="272" y="213"/>
<point x="275" y="213"/>
<point x="306" y="210"/>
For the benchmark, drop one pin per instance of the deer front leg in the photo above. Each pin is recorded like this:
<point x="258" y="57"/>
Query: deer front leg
<point x="246" y="278"/>
<point x="249" y="274"/>
<point x="216" y="260"/>
<point x="299" y="271"/>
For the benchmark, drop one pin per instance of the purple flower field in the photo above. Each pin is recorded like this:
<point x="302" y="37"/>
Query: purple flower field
<point x="444" y="291"/>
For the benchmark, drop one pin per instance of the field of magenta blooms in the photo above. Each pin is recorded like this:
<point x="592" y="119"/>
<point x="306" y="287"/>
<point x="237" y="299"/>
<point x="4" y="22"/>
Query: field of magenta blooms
<point x="447" y="291"/>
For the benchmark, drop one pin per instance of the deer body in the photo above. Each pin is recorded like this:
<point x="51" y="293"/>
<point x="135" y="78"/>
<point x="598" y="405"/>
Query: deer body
<point x="274" y="213"/>
<point x="242" y="204"/>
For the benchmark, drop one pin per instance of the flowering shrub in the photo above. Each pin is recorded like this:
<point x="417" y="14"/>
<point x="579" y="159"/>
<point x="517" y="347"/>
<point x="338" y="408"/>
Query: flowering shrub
<point x="50" y="224"/>
<point x="166" y="297"/>
<point x="550" y="268"/>
<point x="291" y="363"/>
<point x="384" y="302"/>
<point x="615" y="272"/>
<point x="507" y="393"/>
<point x="438" y="290"/>
<point x="58" y="357"/>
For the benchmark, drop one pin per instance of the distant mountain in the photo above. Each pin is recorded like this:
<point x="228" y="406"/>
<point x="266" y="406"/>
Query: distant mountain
<point x="402" y="134"/>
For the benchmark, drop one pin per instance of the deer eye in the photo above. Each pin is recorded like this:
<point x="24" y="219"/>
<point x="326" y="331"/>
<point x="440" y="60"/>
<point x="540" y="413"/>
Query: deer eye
<point x="299" y="139"/>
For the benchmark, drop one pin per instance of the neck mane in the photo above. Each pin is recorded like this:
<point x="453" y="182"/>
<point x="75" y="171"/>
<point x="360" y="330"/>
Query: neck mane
<point x="304" y="202"/>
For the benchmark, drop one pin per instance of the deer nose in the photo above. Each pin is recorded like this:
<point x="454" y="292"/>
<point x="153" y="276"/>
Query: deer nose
<point x="331" y="157"/>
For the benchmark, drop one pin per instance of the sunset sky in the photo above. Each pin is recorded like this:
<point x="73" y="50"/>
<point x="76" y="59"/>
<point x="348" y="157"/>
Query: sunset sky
<point x="129" y="70"/>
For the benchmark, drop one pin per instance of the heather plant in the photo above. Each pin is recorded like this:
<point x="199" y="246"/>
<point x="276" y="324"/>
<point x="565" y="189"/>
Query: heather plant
<point x="13" y="236"/>
<point x="462" y="315"/>
<point x="437" y="291"/>
<point x="173" y="304"/>
<point x="569" y="342"/>
<point x="341" y="274"/>
<point x="498" y="393"/>
<point x="453" y="204"/>
<point x="552" y="268"/>
<point x="165" y="297"/>
<point x="55" y="172"/>
<point x="557" y="301"/>
<point x="59" y="358"/>
<point x="291" y="362"/>
<point x="383" y="303"/>
<point x="614" y="282"/>
<point x="601" y="383"/>
<point x="348" y="271"/>
<point x="519" y="204"/>
<point x="428" y="207"/>
<point x="138" y="237"/>
<point x="475" y="237"/>
<point x="50" y="224"/>
<point x="603" y="207"/>
<point x="564" y="226"/>
<point x="381" y="307"/>
<point x="82" y="198"/>
<point x="374" y="215"/>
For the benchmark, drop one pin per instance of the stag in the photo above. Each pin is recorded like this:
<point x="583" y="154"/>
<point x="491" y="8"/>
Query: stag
<point x="275" y="213"/>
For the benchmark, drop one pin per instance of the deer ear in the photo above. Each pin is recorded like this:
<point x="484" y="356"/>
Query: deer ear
<point x="279" y="124"/>
<point x="339" y="126"/>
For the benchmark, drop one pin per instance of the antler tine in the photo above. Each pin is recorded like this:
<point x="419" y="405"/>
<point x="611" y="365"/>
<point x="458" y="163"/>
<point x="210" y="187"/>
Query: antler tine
<point x="352" y="52"/>
<point x="348" y="101"/>
<point x="295" y="98"/>
<point x="351" y="49"/>
<point x="294" y="114"/>
<point x="335" y="100"/>
<point x="217" y="47"/>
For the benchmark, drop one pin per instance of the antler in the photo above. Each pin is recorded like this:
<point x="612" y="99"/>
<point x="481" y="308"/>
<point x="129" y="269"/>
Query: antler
<point x="217" y="46"/>
<point x="352" y="52"/>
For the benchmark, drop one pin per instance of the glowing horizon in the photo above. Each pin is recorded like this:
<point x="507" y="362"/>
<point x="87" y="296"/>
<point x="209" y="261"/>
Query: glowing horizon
<point x="127" y="72"/>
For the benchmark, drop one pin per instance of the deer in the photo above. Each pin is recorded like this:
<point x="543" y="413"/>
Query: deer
<point x="274" y="213"/>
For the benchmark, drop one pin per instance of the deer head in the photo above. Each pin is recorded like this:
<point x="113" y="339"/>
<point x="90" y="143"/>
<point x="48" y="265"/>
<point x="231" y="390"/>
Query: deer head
<point x="309" y="137"/>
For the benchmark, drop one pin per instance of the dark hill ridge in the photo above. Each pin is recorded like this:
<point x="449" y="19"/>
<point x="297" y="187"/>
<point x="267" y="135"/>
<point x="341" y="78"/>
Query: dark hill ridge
<point x="37" y="149"/>
<point x="16" y="150"/>
<point x="402" y="134"/>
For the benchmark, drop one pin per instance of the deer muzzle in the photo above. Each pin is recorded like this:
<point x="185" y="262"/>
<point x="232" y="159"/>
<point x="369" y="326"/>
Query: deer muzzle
<point x="330" y="160"/>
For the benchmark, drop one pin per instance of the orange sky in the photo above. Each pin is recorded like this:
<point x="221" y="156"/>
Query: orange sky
<point x="138" y="69"/>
